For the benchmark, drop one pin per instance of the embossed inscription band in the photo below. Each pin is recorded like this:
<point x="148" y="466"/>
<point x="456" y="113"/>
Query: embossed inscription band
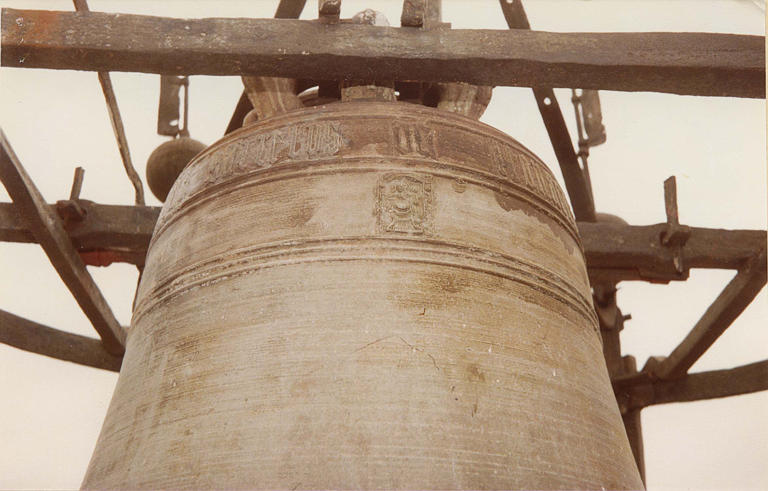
<point x="321" y="138"/>
<point x="523" y="169"/>
<point x="260" y="151"/>
<point x="414" y="139"/>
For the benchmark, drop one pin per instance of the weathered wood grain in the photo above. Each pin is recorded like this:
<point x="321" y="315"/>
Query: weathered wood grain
<point x="49" y="232"/>
<point x="642" y="391"/>
<point x="731" y="302"/>
<point x="617" y="252"/>
<point x="36" y="338"/>
<point x="122" y="232"/>
<point x="681" y="63"/>
<point x="713" y="384"/>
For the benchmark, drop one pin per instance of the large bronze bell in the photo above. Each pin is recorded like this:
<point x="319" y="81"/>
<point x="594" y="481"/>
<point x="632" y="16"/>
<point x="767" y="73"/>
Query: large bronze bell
<point x="364" y="295"/>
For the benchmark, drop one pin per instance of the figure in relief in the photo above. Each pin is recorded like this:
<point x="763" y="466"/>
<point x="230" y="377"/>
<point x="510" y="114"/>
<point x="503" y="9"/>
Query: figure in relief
<point x="404" y="203"/>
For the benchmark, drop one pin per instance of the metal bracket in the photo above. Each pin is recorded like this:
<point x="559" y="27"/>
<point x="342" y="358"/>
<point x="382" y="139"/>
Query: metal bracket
<point x="168" y="112"/>
<point x="329" y="11"/>
<point x="676" y="235"/>
<point x="589" y="118"/>
<point x="70" y="210"/>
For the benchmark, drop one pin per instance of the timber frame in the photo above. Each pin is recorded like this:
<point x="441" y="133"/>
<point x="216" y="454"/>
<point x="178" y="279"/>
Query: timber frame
<point x="75" y="233"/>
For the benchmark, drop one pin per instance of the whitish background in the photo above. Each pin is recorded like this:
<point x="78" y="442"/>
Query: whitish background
<point x="51" y="411"/>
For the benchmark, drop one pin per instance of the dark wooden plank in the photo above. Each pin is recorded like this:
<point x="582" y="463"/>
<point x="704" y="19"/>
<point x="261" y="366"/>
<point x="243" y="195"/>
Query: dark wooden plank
<point x="36" y="338"/>
<point x="625" y="252"/>
<point x="731" y="302"/>
<point x="682" y="63"/>
<point x="714" y="384"/>
<point x="104" y="227"/>
<point x="49" y="232"/>
<point x="576" y="183"/>
<point x="644" y="391"/>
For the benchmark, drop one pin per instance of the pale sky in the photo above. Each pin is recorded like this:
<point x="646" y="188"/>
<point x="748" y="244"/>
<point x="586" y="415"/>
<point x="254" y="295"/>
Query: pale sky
<point x="52" y="411"/>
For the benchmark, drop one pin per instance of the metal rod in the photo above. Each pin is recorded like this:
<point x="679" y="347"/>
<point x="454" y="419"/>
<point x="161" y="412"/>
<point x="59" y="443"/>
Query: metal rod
<point x="289" y="9"/>
<point x="117" y="123"/>
<point x="576" y="182"/>
<point x="185" y="130"/>
<point x="77" y="183"/>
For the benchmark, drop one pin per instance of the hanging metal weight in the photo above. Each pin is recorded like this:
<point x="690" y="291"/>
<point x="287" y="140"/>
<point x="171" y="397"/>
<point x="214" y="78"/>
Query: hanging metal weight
<point x="364" y="295"/>
<point x="167" y="161"/>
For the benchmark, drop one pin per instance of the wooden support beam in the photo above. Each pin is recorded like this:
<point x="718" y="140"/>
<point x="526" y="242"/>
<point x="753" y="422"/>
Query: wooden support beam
<point x="124" y="231"/>
<point x="628" y="252"/>
<point x="36" y="338"/>
<point x="714" y="384"/>
<point x="642" y="391"/>
<point x="49" y="232"/>
<point x="576" y="183"/>
<point x="681" y="63"/>
<point x="618" y="366"/>
<point x="329" y="10"/>
<point x="633" y="425"/>
<point x="614" y="252"/>
<point x="731" y="302"/>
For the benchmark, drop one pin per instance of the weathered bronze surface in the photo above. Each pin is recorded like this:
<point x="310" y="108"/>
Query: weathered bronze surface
<point x="167" y="161"/>
<point x="364" y="295"/>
